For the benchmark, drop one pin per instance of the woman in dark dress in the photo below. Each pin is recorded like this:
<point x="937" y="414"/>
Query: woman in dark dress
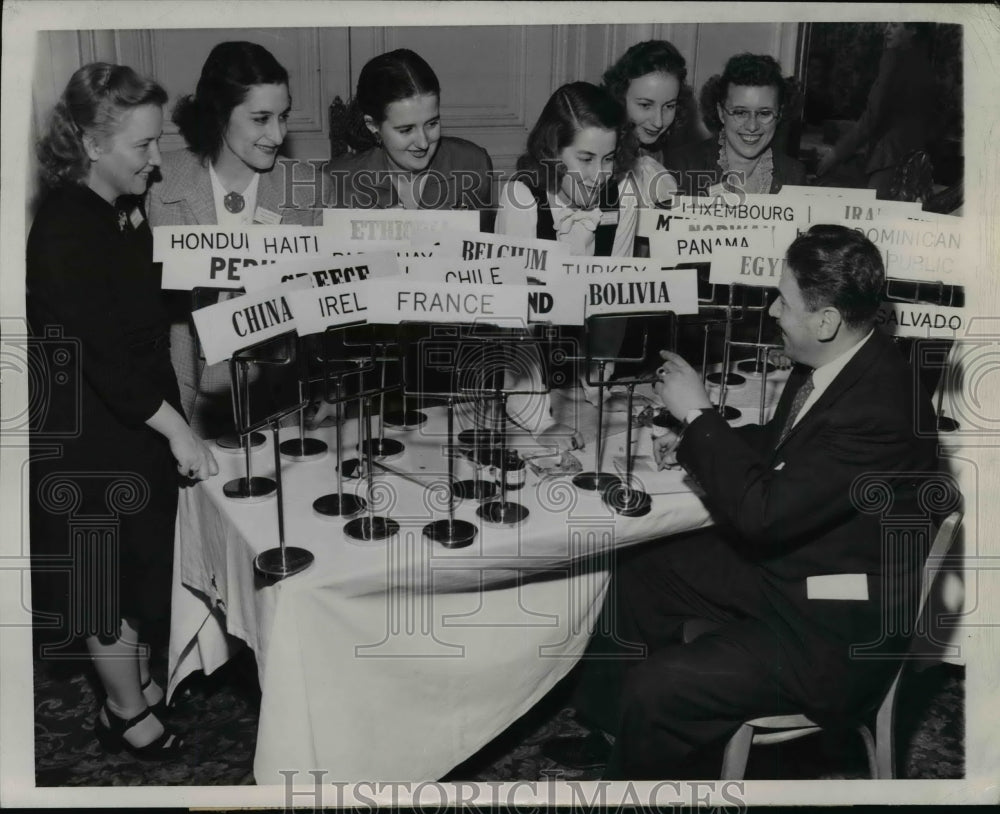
<point x="105" y="495"/>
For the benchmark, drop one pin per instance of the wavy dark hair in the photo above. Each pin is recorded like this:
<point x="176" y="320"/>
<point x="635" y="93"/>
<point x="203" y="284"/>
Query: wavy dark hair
<point x="651" y="56"/>
<point x="387" y="78"/>
<point x="839" y="266"/>
<point x="231" y="70"/>
<point x="753" y="70"/>
<point x="569" y="110"/>
<point x="95" y="100"/>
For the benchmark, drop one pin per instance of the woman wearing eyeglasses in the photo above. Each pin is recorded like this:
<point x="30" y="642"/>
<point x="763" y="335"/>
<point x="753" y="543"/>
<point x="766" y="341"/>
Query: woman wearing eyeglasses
<point x="745" y="105"/>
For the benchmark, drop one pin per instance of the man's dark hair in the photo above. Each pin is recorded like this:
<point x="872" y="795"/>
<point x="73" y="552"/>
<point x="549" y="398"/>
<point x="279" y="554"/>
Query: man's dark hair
<point x="839" y="266"/>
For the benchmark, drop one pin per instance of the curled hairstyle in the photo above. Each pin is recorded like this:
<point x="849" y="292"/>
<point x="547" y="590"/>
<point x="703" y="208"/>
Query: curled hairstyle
<point x="753" y="70"/>
<point x="387" y="78"/>
<point x="96" y="99"/>
<point x="651" y="56"/>
<point x="231" y="70"/>
<point x="840" y="267"/>
<point x="569" y="110"/>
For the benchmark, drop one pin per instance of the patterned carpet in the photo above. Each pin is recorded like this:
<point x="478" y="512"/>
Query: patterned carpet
<point x="218" y="713"/>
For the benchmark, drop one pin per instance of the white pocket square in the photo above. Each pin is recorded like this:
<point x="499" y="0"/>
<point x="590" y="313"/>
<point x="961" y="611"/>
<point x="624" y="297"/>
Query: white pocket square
<point x="837" y="586"/>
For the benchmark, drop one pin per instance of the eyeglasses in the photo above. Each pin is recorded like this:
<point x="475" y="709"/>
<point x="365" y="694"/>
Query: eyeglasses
<point x="742" y="115"/>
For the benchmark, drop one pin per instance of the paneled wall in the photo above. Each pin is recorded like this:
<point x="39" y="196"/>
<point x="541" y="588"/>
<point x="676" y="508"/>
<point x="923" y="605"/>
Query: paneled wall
<point x="495" y="79"/>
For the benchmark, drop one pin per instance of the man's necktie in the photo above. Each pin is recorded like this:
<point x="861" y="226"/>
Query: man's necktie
<point x="800" y="399"/>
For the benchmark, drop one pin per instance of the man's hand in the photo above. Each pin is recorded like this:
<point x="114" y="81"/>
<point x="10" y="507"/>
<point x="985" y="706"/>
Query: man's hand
<point x="560" y="436"/>
<point x="680" y="387"/>
<point x="665" y="450"/>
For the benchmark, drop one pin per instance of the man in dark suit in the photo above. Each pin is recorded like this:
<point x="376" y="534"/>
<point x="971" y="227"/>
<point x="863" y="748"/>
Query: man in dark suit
<point x="809" y="594"/>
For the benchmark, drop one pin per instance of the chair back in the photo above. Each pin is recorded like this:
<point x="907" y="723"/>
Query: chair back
<point x="943" y="541"/>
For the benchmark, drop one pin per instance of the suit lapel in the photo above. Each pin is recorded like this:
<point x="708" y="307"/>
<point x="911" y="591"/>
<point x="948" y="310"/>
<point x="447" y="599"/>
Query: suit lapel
<point x="874" y="347"/>
<point x="190" y="182"/>
<point x="269" y="191"/>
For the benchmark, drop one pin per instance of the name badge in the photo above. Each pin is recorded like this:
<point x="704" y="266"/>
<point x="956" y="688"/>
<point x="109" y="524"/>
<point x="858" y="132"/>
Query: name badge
<point x="262" y="215"/>
<point x="609" y="218"/>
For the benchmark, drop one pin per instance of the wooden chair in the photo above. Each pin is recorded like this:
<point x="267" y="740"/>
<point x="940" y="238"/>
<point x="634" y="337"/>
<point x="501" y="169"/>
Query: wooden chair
<point x="879" y="747"/>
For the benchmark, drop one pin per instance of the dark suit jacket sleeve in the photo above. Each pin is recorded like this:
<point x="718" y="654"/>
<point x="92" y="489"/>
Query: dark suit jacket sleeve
<point x="777" y="509"/>
<point x="67" y="278"/>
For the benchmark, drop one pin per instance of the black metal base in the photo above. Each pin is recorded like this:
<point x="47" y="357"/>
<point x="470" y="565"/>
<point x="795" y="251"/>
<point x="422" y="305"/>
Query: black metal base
<point x="729" y="413"/>
<point x="628" y="502"/>
<point x="733" y="380"/>
<point x="231" y="443"/>
<point x="278" y="563"/>
<point x="475" y="489"/>
<point x="303" y="449"/>
<point x="754" y="368"/>
<point x="595" y="481"/>
<point x="339" y="505"/>
<point x="407" y="421"/>
<point x="500" y="513"/>
<point x="945" y="424"/>
<point x="384" y="448"/>
<point x="371" y="528"/>
<point x="249" y="492"/>
<point x="451" y="533"/>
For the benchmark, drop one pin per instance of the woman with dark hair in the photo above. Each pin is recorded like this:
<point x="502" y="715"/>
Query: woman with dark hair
<point x="401" y="159"/>
<point x="566" y="189"/>
<point x="649" y="82"/>
<point x="898" y="116"/>
<point x="744" y="105"/>
<point x="91" y="282"/>
<point x="234" y="125"/>
<point x="566" y="184"/>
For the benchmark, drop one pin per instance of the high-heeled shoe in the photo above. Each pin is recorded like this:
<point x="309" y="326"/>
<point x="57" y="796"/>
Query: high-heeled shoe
<point x="160" y="708"/>
<point x="111" y="736"/>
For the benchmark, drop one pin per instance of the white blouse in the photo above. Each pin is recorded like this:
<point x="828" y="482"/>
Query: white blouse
<point x="518" y="216"/>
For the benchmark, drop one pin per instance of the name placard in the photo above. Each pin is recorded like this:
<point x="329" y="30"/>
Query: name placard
<point x="834" y="210"/>
<point x="326" y="271"/>
<point x="842" y="193"/>
<point x="396" y="224"/>
<point x="536" y="255"/>
<point x="641" y="285"/>
<point x="404" y="300"/>
<point x="757" y="261"/>
<point x="238" y="323"/>
<point x="214" y="257"/>
<point x="702" y="240"/>
<point x="921" y="320"/>
<point x="509" y="271"/>
<point x="739" y="206"/>
<point x="322" y="307"/>
<point x="922" y="250"/>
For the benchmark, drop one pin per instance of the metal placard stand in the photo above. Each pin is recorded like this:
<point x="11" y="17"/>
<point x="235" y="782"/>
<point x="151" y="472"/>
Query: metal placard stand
<point x="249" y="488"/>
<point x="501" y="512"/>
<point x="303" y="448"/>
<point x="598" y="480"/>
<point x="370" y="526"/>
<point x="230" y="442"/>
<point x="339" y="504"/>
<point x="283" y="561"/>
<point x="449" y="532"/>
<point x="758" y="364"/>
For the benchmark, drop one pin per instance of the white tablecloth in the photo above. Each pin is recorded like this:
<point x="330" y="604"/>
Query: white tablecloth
<point x="397" y="660"/>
